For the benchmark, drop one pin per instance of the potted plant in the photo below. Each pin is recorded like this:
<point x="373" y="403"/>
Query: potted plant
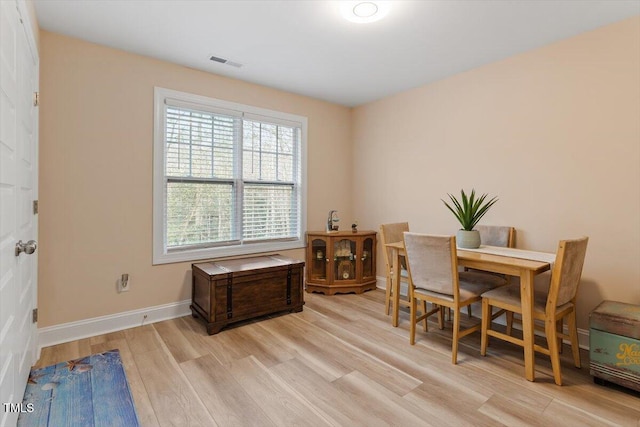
<point x="468" y="211"/>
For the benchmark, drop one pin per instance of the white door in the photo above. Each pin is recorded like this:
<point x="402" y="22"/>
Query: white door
<point x="18" y="190"/>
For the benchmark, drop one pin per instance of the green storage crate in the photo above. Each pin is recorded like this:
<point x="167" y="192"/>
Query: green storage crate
<point x="614" y="343"/>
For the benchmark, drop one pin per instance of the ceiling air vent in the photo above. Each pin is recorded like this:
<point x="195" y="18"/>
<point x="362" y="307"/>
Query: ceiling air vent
<point x="225" y="61"/>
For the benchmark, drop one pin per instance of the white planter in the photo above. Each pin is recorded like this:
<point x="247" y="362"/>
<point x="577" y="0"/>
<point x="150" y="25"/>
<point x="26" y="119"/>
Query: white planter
<point x="468" y="239"/>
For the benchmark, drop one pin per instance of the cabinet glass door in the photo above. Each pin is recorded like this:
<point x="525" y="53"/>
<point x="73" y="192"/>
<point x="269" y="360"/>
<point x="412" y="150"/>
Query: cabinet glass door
<point x="344" y="259"/>
<point x="319" y="261"/>
<point x="368" y="260"/>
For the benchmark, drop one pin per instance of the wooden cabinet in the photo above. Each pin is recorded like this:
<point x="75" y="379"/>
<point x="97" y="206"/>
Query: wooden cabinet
<point x="229" y="291"/>
<point x="341" y="261"/>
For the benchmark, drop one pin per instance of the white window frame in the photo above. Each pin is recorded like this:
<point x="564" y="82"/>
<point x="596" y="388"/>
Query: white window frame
<point x="160" y="253"/>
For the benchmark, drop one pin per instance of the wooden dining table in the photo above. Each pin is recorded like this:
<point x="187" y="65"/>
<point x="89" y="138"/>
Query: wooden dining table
<point x="510" y="261"/>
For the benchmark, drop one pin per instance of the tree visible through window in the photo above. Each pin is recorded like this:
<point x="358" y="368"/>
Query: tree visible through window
<point x="230" y="178"/>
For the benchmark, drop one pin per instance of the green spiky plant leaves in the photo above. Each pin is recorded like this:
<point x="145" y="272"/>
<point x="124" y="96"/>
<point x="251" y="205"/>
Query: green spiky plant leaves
<point x="469" y="210"/>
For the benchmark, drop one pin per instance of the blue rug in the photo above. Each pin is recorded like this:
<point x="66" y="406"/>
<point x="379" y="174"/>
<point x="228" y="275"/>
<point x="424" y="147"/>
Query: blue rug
<point x="91" y="391"/>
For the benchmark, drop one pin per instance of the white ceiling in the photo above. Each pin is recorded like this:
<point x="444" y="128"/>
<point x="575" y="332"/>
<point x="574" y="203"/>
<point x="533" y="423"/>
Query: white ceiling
<point x="306" y="47"/>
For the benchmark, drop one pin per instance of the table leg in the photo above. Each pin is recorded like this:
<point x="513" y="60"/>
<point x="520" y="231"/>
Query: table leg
<point x="526" y="296"/>
<point x="395" y="286"/>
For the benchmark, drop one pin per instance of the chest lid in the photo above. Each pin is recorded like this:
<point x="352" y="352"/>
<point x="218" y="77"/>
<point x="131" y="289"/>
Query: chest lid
<point x="617" y="317"/>
<point x="241" y="266"/>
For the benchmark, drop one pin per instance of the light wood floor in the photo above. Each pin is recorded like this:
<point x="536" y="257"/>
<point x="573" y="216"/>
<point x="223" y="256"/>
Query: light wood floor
<point x="340" y="362"/>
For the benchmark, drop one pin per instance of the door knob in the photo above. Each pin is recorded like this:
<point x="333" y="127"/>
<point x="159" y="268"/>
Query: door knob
<point x="28" y="248"/>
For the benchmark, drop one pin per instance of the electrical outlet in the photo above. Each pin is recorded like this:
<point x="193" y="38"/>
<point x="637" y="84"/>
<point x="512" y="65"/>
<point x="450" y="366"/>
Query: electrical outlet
<point x="124" y="283"/>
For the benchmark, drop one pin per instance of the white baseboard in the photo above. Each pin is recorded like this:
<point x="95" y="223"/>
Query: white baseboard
<point x="58" y="334"/>
<point x="583" y="334"/>
<point x="72" y="331"/>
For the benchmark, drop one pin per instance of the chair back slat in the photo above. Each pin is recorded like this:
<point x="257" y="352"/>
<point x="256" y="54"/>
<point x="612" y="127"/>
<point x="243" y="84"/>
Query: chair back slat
<point x="567" y="271"/>
<point x="432" y="262"/>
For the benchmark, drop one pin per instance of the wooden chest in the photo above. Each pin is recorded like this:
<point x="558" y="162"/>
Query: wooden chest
<point x="614" y="342"/>
<point x="225" y="292"/>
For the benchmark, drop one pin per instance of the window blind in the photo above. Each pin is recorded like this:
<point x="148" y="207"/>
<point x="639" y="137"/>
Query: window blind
<point x="229" y="180"/>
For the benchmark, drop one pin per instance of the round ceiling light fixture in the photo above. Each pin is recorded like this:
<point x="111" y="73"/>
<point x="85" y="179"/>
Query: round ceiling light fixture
<point x="365" y="9"/>
<point x="363" y="12"/>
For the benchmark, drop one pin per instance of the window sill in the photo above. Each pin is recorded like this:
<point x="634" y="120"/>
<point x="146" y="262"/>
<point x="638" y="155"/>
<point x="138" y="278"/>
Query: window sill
<point x="227" y="251"/>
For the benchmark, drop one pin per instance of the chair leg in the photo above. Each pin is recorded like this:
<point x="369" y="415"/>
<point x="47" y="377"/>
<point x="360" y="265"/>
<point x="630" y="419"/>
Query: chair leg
<point x="509" y="322"/>
<point x="573" y="336"/>
<point x="456" y="333"/>
<point x="387" y="297"/>
<point x="469" y="311"/>
<point x="441" y="316"/>
<point x="560" y="331"/>
<point x="486" y="325"/>
<point x="424" y="311"/>
<point x="552" y="343"/>
<point x="412" y="321"/>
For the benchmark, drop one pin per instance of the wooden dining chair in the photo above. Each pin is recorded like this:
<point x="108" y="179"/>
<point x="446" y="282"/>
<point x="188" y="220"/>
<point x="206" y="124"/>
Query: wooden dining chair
<point x="495" y="235"/>
<point x="551" y="307"/>
<point x="432" y="263"/>
<point x="391" y="233"/>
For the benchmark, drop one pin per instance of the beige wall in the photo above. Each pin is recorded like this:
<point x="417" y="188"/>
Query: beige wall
<point x="554" y="133"/>
<point x="96" y="130"/>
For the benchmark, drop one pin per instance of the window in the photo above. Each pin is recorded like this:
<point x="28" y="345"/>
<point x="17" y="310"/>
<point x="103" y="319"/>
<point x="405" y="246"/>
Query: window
<point x="228" y="178"/>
